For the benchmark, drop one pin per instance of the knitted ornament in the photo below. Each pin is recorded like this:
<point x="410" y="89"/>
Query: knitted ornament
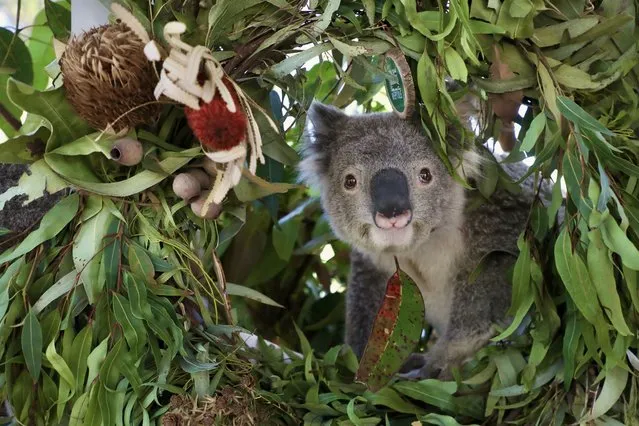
<point x="108" y="80"/>
<point x="217" y="128"/>
<point x="217" y="110"/>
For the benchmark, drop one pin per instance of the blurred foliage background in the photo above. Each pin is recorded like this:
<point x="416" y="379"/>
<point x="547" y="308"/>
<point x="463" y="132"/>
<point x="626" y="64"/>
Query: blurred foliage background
<point x="122" y="273"/>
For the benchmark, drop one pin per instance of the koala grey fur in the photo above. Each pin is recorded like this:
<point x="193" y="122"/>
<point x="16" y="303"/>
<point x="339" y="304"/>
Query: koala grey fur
<point x="439" y="248"/>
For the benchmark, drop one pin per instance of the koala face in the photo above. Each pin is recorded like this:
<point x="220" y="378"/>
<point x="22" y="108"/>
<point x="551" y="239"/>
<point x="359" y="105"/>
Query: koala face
<point x="382" y="185"/>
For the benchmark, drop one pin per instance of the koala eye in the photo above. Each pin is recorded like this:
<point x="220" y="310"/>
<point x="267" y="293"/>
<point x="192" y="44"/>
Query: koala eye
<point x="350" y="182"/>
<point x="425" y="176"/>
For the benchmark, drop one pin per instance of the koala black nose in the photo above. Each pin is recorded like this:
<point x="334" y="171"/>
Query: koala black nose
<point x="389" y="193"/>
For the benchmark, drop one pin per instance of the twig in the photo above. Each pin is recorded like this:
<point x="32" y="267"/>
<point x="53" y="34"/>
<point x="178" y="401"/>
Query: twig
<point x="18" y="16"/>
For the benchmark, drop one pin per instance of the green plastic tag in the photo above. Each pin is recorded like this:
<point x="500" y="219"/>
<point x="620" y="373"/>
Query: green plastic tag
<point x="395" y="90"/>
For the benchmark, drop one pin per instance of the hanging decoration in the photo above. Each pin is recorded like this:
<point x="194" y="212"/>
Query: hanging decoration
<point x="217" y="110"/>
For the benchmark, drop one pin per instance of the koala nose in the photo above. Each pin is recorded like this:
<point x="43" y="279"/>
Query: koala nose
<point x="391" y="199"/>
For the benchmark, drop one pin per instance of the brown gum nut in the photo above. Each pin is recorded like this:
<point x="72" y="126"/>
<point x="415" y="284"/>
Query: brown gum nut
<point x="213" y="211"/>
<point x="201" y="176"/>
<point x="186" y="186"/>
<point x="127" y="152"/>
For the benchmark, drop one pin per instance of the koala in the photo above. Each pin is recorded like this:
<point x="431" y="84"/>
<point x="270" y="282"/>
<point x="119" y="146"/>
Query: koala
<point x="388" y="195"/>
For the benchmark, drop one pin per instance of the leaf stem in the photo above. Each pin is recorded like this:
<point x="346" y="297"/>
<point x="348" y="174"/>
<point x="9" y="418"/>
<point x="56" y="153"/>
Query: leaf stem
<point x="9" y="118"/>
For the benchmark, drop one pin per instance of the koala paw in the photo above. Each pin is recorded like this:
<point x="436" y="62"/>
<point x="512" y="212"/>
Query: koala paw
<point x="421" y="366"/>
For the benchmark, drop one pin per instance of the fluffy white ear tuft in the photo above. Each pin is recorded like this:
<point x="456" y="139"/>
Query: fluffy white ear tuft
<point x="322" y="125"/>
<point x="470" y="164"/>
<point x="473" y="162"/>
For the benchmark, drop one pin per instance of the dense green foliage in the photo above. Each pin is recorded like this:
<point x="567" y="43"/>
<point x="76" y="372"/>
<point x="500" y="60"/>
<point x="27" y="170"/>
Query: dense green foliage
<point x="117" y="301"/>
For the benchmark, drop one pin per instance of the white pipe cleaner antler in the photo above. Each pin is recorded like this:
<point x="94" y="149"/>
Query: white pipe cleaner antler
<point x="191" y="75"/>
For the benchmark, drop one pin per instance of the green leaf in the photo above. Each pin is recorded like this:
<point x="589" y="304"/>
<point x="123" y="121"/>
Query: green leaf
<point x="59" y="19"/>
<point x="87" y="249"/>
<point x="427" y="81"/>
<point x="296" y="61"/>
<point x="507" y="85"/>
<point x="439" y="419"/>
<point x="520" y="8"/>
<point x="81" y="348"/>
<point x="535" y="129"/>
<point x="60" y="118"/>
<point x="617" y="241"/>
<point x="613" y="387"/>
<point x="549" y="35"/>
<point x="67" y="389"/>
<point x="138" y="297"/>
<point x="570" y="343"/>
<point x="306" y="346"/>
<point x="388" y="397"/>
<point x="433" y="392"/>
<point x="254" y="187"/>
<point x="516" y="17"/>
<point x="322" y="24"/>
<point x="24" y="149"/>
<point x="549" y="91"/>
<point x="603" y="276"/>
<point x="140" y="262"/>
<point x="40" y="45"/>
<point x="249" y="293"/>
<point x="5" y="280"/>
<point x="284" y="237"/>
<point x="79" y="410"/>
<point x="131" y="325"/>
<point x="369" y="6"/>
<point x="34" y="183"/>
<point x="95" y="360"/>
<point x="53" y="222"/>
<point x="574" y="274"/>
<point x="16" y="61"/>
<point x="223" y="13"/>
<point x="455" y="64"/>
<point x="15" y="57"/>
<point x="60" y="288"/>
<point x="88" y="144"/>
<point x="109" y="374"/>
<point x="606" y="28"/>
<point x="125" y="188"/>
<point x="31" y="342"/>
<point x="112" y="255"/>
<point x="577" y="115"/>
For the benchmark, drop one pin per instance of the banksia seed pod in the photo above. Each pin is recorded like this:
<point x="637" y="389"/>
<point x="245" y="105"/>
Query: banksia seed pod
<point x="108" y="79"/>
<point x="215" y="126"/>
<point x="213" y="211"/>
<point x="127" y="152"/>
<point x="186" y="186"/>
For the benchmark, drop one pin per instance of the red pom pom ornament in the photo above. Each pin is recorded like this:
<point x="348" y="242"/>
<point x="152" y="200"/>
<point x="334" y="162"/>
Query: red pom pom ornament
<point x="217" y="128"/>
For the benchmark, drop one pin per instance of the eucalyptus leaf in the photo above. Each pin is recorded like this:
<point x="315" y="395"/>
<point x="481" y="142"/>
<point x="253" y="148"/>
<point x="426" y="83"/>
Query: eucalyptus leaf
<point x="31" y="342"/>
<point x="53" y="222"/>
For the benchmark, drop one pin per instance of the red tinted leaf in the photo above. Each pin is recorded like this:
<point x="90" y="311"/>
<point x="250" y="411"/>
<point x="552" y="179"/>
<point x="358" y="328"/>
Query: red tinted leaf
<point x="396" y="331"/>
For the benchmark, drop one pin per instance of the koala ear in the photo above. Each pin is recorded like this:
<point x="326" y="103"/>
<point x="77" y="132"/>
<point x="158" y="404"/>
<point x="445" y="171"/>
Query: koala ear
<point x="323" y="123"/>
<point x="322" y="120"/>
